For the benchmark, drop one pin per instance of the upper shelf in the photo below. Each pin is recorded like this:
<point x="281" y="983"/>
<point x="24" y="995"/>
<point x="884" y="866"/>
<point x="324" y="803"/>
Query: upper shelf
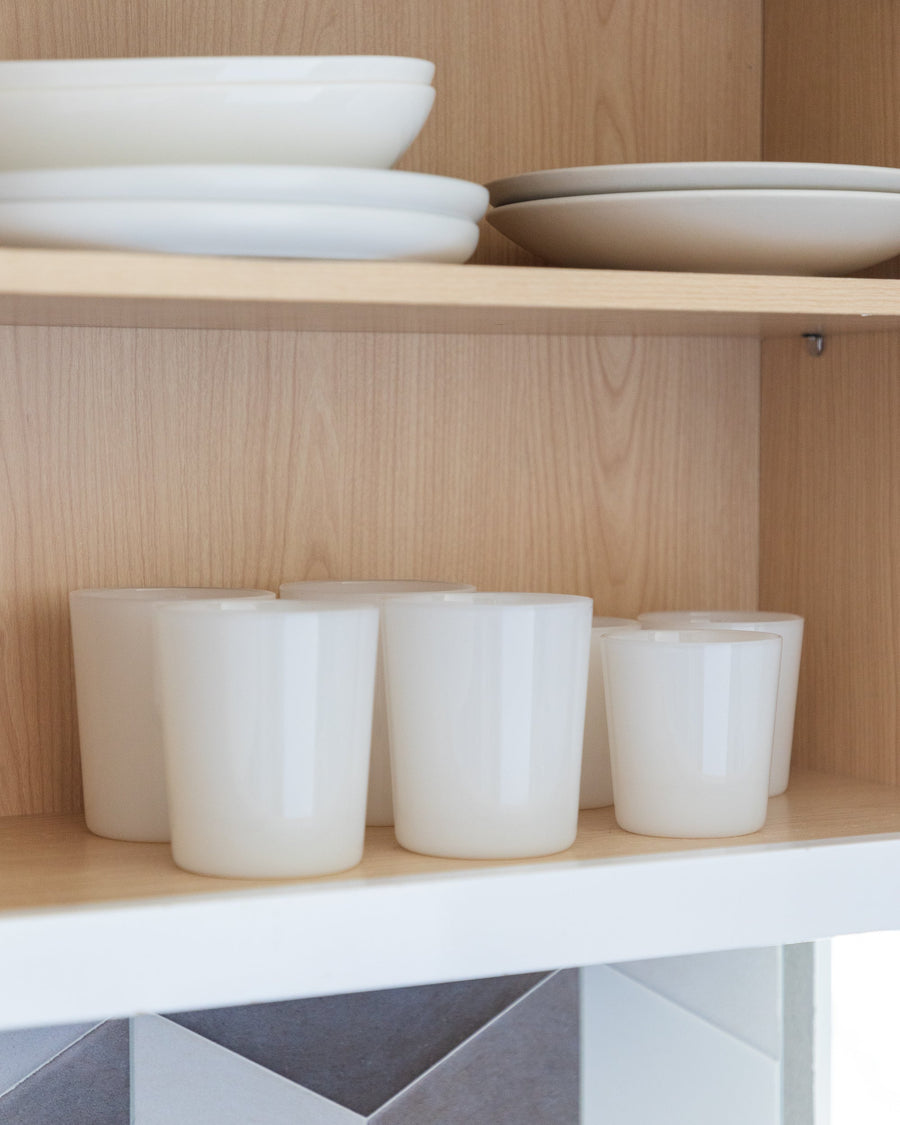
<point x="139" y="934"/>
<point x="62" y="287"/>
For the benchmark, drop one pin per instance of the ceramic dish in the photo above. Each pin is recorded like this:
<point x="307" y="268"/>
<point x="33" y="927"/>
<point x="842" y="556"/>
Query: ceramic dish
<point x="265" y="230"/>
<point x="188" y="70"/>
<point x="362" y="187"/>
<point x="341" y="123"/>
<point x="731" y="231"/>
<point x="711" y="174"/>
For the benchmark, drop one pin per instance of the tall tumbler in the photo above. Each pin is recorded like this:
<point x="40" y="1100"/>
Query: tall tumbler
<point x="122" y="771"/>
<point x="267" y="709"/>
<point x="789" y="626"/>
<point x="596" y="775"/>
<point x="486" y="695"/>
<point x="380" y="805"/>
<point x="691" y="719"/>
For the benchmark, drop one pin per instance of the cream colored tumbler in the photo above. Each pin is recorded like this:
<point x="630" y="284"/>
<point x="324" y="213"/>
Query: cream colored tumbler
<point x="486" y="696"/>
<point x="691" y="720"/>
<point x="788" y="626"/>
<point x="118" y="722"/>
<point x="266" y="711"/>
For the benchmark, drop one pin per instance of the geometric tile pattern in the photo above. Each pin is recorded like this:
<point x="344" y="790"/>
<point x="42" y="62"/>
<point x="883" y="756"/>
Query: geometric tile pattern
<point x="360" y="1050"/>
<point x="87" y="1083"/>
<point x="500" y="1051"/>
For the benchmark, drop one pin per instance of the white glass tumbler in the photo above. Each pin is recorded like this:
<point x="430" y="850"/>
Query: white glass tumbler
<point x="266" y="710"/>
<point x="789" y="626"/>
<point x="123" y="778"/>
<point x="380" y="805"/>
<point x="486" y="699"/>
<point x="691" y="719"/>
<point x="596" y="776"/>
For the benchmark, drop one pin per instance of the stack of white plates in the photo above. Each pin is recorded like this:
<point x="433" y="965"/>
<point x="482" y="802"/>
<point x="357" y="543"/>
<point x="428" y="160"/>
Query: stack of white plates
<point x="722" y="217"/>
<point x="268" y="157"/>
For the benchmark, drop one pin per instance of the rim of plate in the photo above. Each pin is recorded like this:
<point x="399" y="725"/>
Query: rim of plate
<point x="600" y="179"/>
<point x="194" y="70"/>
<point x="251" y="183"/>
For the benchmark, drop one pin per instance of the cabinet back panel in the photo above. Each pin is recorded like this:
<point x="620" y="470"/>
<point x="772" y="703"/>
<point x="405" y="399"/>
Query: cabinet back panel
<point x="621" y="468"/>
<point x="832" y="85"/>
<point x="520" y="84"/>
<point x="830" y="463"/>
<point x="830" y="542"/>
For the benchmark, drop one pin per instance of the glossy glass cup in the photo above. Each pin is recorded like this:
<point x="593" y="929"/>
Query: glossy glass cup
<point x="122" y="772"/>
<point x="266" y="712"/>
<point x="691" y="720"/>
<point x="486" y="699"/>
<point x="596" y="775"/>
<point x="789" y="626"/>
<point x="380" y="805"/>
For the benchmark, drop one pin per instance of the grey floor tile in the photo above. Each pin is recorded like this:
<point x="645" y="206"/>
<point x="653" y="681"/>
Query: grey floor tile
<point x="360" y="1050"/>
<point x="22" y="1052"/>
<point x="87" y="1084"/>
<point x="523" y="1069"/>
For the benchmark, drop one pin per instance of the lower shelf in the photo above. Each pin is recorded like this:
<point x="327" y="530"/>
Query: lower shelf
<point x="91" y="928"/>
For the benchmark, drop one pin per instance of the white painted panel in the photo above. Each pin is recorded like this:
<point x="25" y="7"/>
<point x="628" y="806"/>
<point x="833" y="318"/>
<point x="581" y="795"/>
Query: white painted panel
<point x="303" y="939"/>
<point x="739" y="990"/>
<point x="22" y="1052"/>
<point x="865" y="1030"/>
<point x="178" y="1076"/>
<point x="647" y="1061"/>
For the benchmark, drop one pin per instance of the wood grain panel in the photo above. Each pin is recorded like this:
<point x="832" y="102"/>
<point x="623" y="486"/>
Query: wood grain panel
<point x="832" y="85"/>
<point x="106" y="289"/>
<point x="521" y="85"/>
<point x="618" y="468"/>
<point x="830" y="542"/>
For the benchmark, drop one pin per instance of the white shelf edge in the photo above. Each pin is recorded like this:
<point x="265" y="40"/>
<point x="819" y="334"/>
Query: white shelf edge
<point x="317" y="939"/>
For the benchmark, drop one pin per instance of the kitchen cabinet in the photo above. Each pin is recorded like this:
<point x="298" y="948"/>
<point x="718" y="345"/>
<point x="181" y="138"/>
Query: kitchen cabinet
<point x="651" y="440"/>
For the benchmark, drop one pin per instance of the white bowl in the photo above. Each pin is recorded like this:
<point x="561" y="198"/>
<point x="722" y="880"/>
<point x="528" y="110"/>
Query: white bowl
<point x="259" y="230"/>
<point x="552" y="183"/>
<point x="203" y="70"/>
<point x="729" y="231"/>
<point x="257" y="183"/>
<point x="341" y="123"/>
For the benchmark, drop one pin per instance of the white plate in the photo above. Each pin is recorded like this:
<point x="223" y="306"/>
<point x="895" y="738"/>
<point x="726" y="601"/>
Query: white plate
<point x="263" y="230"/>
<point x="265" y="183"/>
<point x="732" y="231"/>
<point x="710" y="174"/>
<point x="230" y="69"/>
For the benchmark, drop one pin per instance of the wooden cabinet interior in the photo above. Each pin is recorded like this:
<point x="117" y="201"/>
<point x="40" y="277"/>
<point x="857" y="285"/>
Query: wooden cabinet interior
<point x="628" y="469"/>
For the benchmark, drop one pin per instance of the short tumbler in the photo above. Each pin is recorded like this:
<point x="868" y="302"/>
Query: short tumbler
<point x="380" y="806"/>
<point x="267" y="709"/>
<point x="788" y="626"/>
<point x="486" y="695"/>
<point x="118" y="721"/>
<point x="691" y="720"/>
<point x="596" y="776"/>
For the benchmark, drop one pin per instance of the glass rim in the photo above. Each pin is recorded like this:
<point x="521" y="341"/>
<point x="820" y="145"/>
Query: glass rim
<point x="487" y="599"/>
<point x="172" y="593"/>
<point x="714" y="617"/>
<point x="678" y="638"/>
<point x="376" y="587"/>
<point x="274" y="607"/>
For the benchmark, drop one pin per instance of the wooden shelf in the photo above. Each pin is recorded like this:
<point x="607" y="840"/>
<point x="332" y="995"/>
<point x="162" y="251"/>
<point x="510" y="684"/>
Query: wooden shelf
<point x="141" y="935"/>
<point x="55" y="287"/>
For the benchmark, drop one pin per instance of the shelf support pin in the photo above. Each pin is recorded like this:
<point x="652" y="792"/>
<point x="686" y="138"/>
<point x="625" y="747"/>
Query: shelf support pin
<point x="815" y="343"/>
